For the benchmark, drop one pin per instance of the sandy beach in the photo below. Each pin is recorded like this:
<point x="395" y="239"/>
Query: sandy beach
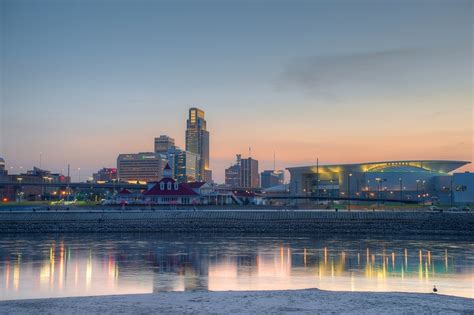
<point x="247" y="302"/>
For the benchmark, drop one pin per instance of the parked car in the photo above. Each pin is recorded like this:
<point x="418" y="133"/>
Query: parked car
<point x="465" y="208"/>
<point x="453" y="209"/>
<point x="435" y="208"/>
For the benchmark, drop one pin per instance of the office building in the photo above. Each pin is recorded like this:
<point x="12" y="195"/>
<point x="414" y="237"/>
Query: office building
<point x="420" y="180"/>
<point x="140" y="167"/>
<point x="249" y="177"/>
<point x="197" y="141"/>
<point x="163" y="144"/>
<point x="184" y="165"/>
<point x="272" y="178"/>
<point x="232" y="174"/>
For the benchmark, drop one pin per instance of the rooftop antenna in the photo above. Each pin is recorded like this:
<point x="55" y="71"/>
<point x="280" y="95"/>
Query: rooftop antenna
<point x="250" y="152"/>
<point x="41" y="157"/>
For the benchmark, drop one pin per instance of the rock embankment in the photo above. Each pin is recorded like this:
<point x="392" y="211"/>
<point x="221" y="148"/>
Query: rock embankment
<point x="247" y="221"/>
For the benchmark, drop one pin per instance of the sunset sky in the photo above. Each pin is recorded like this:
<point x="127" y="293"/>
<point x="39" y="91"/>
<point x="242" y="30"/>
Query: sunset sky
<point x="345" y="81"/>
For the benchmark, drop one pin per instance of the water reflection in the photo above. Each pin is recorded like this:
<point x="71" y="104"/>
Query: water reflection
<point x="50" y="266"/>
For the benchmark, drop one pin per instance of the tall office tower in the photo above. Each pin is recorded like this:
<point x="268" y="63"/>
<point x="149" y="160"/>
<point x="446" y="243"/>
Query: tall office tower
<point x="145" y="166"/>
<point x="197" y="141"/>
<point x="249" y="177"/>
<point x="271" y="178"/>
<point x="163" y="143"/>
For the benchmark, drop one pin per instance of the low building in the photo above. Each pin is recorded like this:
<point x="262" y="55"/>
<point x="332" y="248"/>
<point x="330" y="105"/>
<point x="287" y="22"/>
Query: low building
<point x="271" y="178"/>
<point x="463" y="186"/>
<point x="105" y="174"/>
<point x="169" y="192"/>
<point x="420" y="180"/>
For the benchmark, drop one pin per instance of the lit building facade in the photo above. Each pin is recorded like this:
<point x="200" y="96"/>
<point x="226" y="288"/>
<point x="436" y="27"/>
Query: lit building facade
<point x="142" y="167"/>
<point x="184" y="165"/>
<point x="163" y="144"/>
<point x="272" y="178"/>
<point x="249" y="176"/>
<point x="421" y="180"/>
<point x="197" y="141"/>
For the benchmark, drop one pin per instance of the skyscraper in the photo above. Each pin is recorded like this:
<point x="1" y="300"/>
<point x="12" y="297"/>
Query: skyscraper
<point x="197" y="141"/>
<point x="163" y="143"/>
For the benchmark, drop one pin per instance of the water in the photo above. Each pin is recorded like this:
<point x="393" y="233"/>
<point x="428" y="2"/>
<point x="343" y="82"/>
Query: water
<point x="77" y="265"/>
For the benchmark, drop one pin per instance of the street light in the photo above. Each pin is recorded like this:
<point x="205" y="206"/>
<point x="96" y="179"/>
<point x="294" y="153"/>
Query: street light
<point x="401" y="188"/>
<point x="349" y="191"/>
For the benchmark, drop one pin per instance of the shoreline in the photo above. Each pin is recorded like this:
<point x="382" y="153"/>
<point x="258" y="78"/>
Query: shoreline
<point x="239" y="221"/>
<point x="308" y="301"/>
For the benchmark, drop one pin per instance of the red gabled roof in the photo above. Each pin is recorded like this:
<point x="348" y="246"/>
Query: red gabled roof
<point x="195" y="185"/>
<point x="183" y="190"/>
<point x="124" y="192"/>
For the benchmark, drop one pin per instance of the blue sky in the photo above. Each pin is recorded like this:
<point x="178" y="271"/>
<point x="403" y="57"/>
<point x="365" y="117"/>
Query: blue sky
<point x="348" y="81"/>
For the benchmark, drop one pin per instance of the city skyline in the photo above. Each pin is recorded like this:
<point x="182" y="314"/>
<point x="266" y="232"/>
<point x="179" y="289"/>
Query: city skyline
<point x="306" y="89"/>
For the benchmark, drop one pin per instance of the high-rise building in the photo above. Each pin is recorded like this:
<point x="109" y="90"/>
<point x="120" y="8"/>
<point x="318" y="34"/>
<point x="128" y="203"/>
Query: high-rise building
<point x="183" y="164"/>
<point x="232" y="174"/>
<point x="163" y="143"/>
<point x="197" y="141"/>
<point x="249" y="177"/>
<point x="144" y="166"/>
<point x="272" y="178"/>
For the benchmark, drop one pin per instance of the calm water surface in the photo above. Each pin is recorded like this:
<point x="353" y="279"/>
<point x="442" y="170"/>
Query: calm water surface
<point x="78" y="265"/>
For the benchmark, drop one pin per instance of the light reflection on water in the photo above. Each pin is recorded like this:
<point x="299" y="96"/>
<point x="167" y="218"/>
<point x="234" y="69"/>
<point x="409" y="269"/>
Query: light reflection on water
<point x="76" y="265"/>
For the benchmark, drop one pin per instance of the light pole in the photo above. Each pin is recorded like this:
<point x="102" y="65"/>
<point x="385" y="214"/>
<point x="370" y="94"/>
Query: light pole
<point x="349" y="191"/>
<point x="417" y="190"/>
<point x="401" y="188"/>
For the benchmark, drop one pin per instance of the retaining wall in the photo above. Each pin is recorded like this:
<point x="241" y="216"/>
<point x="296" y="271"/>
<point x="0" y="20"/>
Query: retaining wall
<point x="238" y="221"/>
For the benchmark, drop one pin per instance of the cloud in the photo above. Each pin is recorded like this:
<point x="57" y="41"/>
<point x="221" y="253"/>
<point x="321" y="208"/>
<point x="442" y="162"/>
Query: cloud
<point x="322" y="74"/>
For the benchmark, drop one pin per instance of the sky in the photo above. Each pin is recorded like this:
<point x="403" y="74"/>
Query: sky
<point x="342" y="81"/>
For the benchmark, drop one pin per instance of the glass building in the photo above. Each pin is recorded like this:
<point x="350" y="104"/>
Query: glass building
<point x="184" y="165"/>
<point x="197" y="141"/>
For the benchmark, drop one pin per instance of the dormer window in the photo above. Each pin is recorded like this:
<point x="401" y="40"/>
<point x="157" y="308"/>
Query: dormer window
<point x="162" y="186"/>
<point x="176" y="186"/>
<point x="169" y="186"/>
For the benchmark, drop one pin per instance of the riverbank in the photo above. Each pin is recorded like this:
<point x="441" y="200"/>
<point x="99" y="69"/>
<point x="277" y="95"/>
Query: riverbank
<point x="238" y="221"/>
<point x="244" y="302"/>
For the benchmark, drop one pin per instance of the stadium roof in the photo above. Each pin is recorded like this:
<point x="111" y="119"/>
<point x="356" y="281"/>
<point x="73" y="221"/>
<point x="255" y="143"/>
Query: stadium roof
<point x="436" y="166"/>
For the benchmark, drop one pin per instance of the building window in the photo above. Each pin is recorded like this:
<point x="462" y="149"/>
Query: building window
<point x="169" y="185"/>
<point x="162" y="186"/>
<point x="176" y="186"/>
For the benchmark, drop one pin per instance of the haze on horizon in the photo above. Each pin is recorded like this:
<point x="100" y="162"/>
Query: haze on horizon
<point x="345" y="81"/>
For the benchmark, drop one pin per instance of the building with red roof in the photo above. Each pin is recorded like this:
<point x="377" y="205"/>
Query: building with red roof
<point x="168" y="191"/>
